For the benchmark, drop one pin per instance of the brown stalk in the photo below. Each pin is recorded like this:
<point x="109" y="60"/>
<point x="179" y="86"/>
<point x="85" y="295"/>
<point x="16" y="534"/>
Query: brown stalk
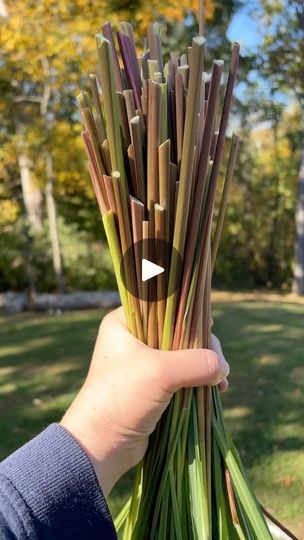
<point x="173" y="197"/>
<point x="201" y="17"/>
<point x="213" y="144"/>
<point x="97" y="179"/>
<point x="130" y="104"/>
<point x="153" y="143"/>
<point x="184" y="72"/>
<point x="158" y="52"/>
<point x="193" y="172"/>
<point x="152" y="68"/>
<point x="225" y="116"/>
<point x="199" y="190"/>
<point x="144" y="65"/>
<point x="160" y="232"/>
<point x="144" y="100"/>
<point x="108" y="181"/>
<point x="91" y="130"/>
<point x="207" y="389"/>
<point x="231" y="498"/>
<point x="201" y="120"/>
<point x="278" y="524"/>
<point x="108" y="33"/>
<point x="97" y="191"/>
<point x="137" y="217"/>
<point x="137" y="141"/>
<point x="83" y="100"/>
<point x="105" y="60"/>
<point x="154" y="43"/>
<point x="105" y="152"/>
<point x="180" y="106"/>
<point x="145" y="289"/>
<point x="224" y="199"/>
<point x="188" y="145"/>
<point x="128" y="262"/>
<point x="123" y="120"/>
<point x="131" y="159"/>
<point x="128" y="30"/>
<point x="98" y="116"/>
<point x="176" y="199"/>
<point x="164" y="183"/>
<point x="142" y="124"/>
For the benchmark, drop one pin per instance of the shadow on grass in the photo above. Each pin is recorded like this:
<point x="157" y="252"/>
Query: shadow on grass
<point x="43" y="361"/>
<point x="265" y="347"/>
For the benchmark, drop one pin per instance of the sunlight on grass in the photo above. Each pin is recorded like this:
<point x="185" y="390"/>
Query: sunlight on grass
<point x="44" y="360"/>
<point x="279" y="482"/>
<point x="27" y="346"/>
<point x="237" y="412"/>
<point x="270" y="360"/>
<point x="7" y="388"/>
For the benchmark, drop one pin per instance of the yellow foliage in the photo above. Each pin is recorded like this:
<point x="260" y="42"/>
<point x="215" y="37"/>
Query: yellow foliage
<point x="172" y="11"/>
<point x="54" y="41"/>
<point x="9" y="212"/>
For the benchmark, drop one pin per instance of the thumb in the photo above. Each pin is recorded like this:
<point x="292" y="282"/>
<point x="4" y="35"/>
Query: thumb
<point x="191" y="367"/>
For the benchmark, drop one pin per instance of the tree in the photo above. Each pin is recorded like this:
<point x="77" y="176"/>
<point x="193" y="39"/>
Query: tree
<point x="46" y="51"/>
<point x="282" y="61"/>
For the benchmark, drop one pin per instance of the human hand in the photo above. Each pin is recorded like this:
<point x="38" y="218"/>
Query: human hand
<point x="127" y="389"/>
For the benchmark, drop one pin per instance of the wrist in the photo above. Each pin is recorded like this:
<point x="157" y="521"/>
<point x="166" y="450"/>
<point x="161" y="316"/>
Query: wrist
<point x="99" y="445"/>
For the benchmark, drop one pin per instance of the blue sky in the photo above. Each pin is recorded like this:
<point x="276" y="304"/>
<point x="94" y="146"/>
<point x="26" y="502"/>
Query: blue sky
<point x="244" y="28"/>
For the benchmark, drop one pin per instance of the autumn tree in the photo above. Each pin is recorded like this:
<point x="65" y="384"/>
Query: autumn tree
<point x="282" y="61"/>
<point x="47" y="49"/>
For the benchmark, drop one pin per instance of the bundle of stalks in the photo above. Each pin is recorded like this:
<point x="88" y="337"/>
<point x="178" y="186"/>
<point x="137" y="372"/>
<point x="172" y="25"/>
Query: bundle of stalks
<point x="154" y="134"/>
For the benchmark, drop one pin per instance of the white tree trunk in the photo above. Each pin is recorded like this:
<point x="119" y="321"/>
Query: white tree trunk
<point x="52" y="215"/>
<point x="298" y="279"/>
<point x="31" y="192"/>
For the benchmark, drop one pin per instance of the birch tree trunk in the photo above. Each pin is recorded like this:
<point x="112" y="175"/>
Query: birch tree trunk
<point x="52" y="216"/>
<point x="31" y="192"/>
<point x="298" y="279"/>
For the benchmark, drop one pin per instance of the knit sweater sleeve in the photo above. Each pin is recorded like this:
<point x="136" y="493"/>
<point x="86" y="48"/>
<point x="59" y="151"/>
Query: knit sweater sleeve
<point x="49" y="490"/>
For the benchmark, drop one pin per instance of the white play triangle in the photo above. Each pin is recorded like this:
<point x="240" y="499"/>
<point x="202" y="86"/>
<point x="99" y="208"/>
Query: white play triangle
<point x="150" y="270"/>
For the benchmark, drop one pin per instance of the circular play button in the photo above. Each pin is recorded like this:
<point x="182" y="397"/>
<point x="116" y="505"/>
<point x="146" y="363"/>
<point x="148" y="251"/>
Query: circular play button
<point x="145" y="269"/>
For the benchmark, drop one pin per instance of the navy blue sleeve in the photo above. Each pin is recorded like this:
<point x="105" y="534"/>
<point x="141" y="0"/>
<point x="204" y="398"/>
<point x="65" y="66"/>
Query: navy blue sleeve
<point x="49" y="491"/>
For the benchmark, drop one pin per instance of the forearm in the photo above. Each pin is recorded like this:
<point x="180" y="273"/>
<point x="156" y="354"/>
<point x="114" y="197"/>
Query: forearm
<point x="49" y="489"/>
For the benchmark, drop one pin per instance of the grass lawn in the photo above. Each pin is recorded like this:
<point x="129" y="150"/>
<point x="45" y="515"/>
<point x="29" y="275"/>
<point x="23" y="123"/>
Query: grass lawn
<point x="43" y="360"/>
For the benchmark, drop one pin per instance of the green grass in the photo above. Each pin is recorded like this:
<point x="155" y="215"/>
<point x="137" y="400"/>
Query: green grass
<point x="44" y="358"/>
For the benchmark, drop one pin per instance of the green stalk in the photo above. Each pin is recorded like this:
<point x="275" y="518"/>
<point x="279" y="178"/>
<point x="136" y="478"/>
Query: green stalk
<point x="112" y="238"/>
<point x="164" y="476"/>
<point x="249" y="504"/>
<point x="198" y="490"/>
<point x="184" y="192"/>
<point x="220" y="503"/>
<point x="134" y="503"/>
<point x="122" y="516"/>
<point x="163" y="522"/>
<point x="177" y="524"/>
<point x="105" y="57"/>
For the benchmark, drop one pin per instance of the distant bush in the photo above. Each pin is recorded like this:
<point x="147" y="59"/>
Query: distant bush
<point x="87" y="263"/>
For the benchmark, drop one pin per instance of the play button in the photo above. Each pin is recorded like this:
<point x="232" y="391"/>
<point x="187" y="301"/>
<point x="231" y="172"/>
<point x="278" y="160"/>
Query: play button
<point x="150" y="270"/>
<point x="145" y="269"/>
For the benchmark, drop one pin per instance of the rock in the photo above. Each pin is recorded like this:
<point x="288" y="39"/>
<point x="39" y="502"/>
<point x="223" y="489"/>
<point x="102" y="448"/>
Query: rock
<point x="13" y="302"/>
<point x="57" y="303"/>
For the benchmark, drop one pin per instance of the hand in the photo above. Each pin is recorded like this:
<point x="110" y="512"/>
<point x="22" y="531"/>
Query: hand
<point x="128" y="387"/>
